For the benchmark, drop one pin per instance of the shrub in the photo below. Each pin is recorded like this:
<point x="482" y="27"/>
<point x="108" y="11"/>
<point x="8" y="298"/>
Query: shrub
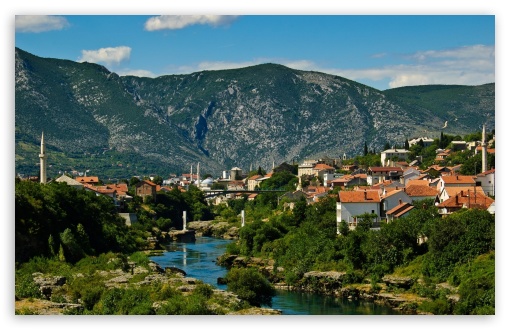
<point x="251" y="286"/>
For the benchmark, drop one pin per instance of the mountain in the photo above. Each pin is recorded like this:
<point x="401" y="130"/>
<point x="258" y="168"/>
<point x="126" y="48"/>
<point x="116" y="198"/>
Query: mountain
<point x="95" y="120"/>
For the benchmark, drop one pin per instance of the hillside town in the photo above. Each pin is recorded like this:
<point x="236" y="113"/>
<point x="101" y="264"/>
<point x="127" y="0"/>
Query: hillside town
<point x="385" y="192"/>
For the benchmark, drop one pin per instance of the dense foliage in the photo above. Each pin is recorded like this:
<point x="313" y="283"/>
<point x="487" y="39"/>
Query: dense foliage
<point x="304" y="239"/>
<point x="57" y="220"/>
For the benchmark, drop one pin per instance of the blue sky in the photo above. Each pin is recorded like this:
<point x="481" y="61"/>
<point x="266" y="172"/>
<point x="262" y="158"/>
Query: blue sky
<point x="382" y="51"/>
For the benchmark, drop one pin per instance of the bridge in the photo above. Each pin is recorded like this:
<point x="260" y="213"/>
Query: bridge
<point x="212" y="193"/>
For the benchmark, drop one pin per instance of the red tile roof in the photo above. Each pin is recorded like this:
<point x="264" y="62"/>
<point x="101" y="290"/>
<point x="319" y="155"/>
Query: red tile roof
<point x="417" y="183"/>
<point x="359" y="196"/>
<point x="87" y="179"/>
<point x="458" y="179"/>
<point x="323" y="167"/>
<point x="468" y="199"/>
<point x="385" y="169"/>
<point x="421" y="191"/>
<point x="400" y="210"/>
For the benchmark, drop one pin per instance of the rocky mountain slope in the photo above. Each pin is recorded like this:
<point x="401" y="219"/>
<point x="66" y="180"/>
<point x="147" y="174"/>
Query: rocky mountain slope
<point x="94" y="119"/>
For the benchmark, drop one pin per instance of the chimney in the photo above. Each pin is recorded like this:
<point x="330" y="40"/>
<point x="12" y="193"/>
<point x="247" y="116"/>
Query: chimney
<point x="457" y="199"/>
<point x="365" y="194"/>
<point x="399" y="201"/>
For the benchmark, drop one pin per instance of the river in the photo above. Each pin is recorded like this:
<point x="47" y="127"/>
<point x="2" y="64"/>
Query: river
<point x="198" y="260"/>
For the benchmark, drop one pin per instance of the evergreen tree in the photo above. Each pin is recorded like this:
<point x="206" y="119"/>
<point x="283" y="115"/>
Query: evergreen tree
<point x="365" y="149"/>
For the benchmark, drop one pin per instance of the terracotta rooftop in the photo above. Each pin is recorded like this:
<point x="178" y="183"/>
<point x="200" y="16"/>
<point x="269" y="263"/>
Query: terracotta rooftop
<point x="417" y="183"/>
<point x="323" y="167"/>
<point x="400" y="210"/>
<point x="421" y="191"/>
<point x="470" y="200"/>
<point x="359" y="196"/>
<point x="458" y="179"/>
<point x="385" y="169"/>
<point x="87" y="179"/>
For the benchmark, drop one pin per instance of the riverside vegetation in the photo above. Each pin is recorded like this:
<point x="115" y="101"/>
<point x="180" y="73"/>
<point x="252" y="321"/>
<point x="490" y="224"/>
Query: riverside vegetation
<point x="74" y="251"/>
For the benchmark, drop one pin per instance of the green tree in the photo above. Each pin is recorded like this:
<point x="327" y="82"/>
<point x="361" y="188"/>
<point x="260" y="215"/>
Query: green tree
<point x="251" y="286"/>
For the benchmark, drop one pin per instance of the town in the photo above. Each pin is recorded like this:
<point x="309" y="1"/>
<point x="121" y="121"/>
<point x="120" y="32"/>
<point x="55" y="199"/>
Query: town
<point x="386" y="192"/>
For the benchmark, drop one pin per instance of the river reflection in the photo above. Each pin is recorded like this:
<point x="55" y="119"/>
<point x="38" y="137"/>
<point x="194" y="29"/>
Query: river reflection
<point x="198" y="260"/>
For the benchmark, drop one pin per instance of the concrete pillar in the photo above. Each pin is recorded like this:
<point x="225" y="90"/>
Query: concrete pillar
<point x="184" y="220"/>
<point x="242" y="218"/>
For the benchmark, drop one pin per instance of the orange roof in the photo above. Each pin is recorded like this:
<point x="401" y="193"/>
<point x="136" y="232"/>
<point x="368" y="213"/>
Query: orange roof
<point x="400" y="210"/>
<point x="118" y="186"/>
<point x="87" y="179"/>
<point x="458" y="179"/>
<point x="255" y="177"/>
<point x="359" y="196"/>
<point x="385" y="169"/>
<point x="323" y="167"/>
<point x="417" y="183"/>
<point x="420" y="191"/>
<point x="471" y="200"/>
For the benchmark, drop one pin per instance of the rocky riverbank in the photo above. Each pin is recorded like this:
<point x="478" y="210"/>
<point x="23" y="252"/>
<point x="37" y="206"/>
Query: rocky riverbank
<point x="57" y="296"/>
<point x="218" y="229"/>
<point x="392" y="291"/>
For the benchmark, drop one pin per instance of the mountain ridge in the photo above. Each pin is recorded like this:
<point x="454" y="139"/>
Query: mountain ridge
<point x="244" y="117"/>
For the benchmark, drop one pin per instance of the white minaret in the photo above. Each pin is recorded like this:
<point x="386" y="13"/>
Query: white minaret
<point x="198" y="175"/>
<point x="42" y="157"/>
<point x="184" y="220"/>
<point x="484" y="151"/>
<point x="191" y="175"/>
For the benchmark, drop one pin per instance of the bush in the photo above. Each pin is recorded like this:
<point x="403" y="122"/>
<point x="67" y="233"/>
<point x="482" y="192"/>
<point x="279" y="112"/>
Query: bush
<point x="26" y="287"/>
<point x="251" y="286"/>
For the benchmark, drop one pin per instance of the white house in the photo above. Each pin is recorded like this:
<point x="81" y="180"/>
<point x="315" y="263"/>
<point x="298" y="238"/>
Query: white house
<point x="387" y="155"/>
<point x="381" y="174"/>
<point x="487" y="181"/>
<point x="426" y="141"/>
<point x="353" y="204"/>
<point x="390" y="199"/>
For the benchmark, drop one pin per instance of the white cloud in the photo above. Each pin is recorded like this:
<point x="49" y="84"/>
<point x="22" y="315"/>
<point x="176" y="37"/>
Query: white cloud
<point x="39" y="23"/>
<point x="137" y="73"/>
<point x="109" y="55"/>
<point x="470" y="65"/>
<point x="175" y="22"/>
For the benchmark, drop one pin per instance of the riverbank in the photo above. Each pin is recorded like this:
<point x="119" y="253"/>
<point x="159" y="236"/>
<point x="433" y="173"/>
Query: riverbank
<point x="159" y="290"/>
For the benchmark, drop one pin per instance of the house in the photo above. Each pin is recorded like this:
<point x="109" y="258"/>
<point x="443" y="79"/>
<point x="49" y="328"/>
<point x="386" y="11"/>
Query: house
<point x="399" y="211"/>
<point x="425" y="140"/>
<point x="391" y="154"/>
<point x="392" y="198"/>
<point x="487" y="182"/>
<point x="379" y="174"/>
<point x="418" y="192"/>
<point x="320" y="169"/>
<point x="252" y="181"/>
<point x="349" y="181"/>
<point x="463" y="181"/>
<point x="353" y="204"/>
<point x="409" y="174"/>
<point x="102" y="190"/>
<point x="306" y="168"/>
<point x="349" y="167"/>
<point x="441" y="157"/>
<point x="465" y="199"/>
<point x="146" y="188"/>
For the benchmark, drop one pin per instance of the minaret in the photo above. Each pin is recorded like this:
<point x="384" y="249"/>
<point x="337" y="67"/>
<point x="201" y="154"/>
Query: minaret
<point x="198" y="175"/>
<point x="484" y="151"/>
<point x="42" y="157"/>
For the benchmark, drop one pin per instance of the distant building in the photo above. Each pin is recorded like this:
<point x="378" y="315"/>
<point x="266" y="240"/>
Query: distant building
<point x="390" y="154"/>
